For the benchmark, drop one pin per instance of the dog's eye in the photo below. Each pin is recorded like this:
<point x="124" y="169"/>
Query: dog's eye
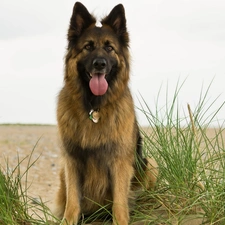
<point x="109" y="48"/>
<point x="88" y="47"/>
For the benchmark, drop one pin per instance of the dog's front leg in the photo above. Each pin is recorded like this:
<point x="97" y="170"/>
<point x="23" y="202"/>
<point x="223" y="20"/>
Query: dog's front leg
<point x="72" y="209"/>
<point x="121" y="176"/>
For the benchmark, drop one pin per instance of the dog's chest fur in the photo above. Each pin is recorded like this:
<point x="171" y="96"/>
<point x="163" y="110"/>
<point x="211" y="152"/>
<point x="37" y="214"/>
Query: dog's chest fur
<point x="94" y="180"/>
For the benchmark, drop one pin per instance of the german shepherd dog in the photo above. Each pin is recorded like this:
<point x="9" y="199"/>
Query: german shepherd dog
<point x="101" y="143"/>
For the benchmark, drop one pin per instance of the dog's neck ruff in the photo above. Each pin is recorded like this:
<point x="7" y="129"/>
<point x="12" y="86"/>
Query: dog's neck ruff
<point x="94" y="115"/>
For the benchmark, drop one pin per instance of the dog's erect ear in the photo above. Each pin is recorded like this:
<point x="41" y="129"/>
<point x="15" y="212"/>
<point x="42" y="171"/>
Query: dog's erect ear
<point x="80" y="20"/>
<point x="117" y="20"/>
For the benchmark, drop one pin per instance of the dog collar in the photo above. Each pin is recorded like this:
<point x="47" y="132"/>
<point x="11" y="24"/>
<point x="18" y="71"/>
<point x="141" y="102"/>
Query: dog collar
<point x="94" y="115"/>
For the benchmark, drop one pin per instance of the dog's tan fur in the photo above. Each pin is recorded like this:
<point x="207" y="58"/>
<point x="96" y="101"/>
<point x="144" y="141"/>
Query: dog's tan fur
<point x="98" y="159"/>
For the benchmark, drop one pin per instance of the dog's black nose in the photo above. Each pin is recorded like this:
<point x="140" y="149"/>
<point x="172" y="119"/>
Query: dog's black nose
<point x="99" y="63"/>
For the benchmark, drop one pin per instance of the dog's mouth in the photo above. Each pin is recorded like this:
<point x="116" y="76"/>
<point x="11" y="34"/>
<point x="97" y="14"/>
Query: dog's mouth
<point x="98" y="83"/>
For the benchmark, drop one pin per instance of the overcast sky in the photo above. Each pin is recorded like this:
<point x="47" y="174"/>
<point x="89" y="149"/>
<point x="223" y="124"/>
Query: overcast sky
<point x="171" y="40"/>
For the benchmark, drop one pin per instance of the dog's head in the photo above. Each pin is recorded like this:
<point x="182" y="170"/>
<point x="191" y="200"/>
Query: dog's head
<point x="97" y="57"/>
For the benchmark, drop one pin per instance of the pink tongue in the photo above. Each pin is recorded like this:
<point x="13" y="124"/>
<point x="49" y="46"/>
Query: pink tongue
<point x="98" y="84"/>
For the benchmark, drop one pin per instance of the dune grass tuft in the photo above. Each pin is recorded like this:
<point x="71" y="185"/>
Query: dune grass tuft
<point x="16" y="206"/>
<point x="191" y="162"/>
